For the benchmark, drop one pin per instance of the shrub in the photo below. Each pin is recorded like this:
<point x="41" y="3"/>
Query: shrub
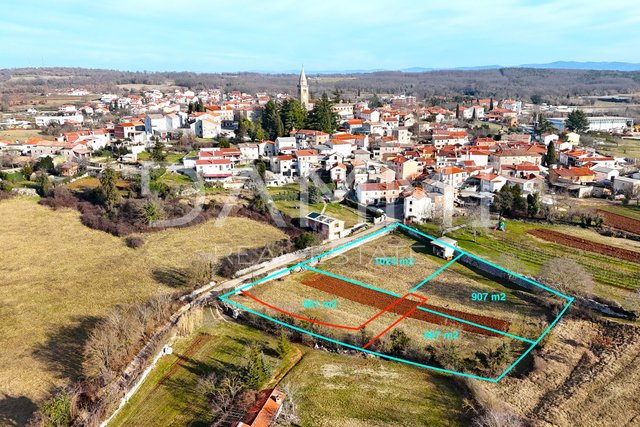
<point x="306" y="240"/>
<point x="134" y="242"/>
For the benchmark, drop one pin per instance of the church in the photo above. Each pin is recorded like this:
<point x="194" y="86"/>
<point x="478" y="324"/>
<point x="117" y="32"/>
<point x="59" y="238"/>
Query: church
<point x="303" y="90"/>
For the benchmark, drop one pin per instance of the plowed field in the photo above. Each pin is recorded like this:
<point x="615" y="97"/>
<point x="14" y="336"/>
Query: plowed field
<point x="620" y="221"/>
<point x="380" y="300"/>
<point x="584" y="244"/>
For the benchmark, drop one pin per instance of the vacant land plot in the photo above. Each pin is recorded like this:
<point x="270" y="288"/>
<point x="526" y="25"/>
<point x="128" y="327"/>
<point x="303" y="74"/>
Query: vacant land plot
<point x="169" y="396"/>
<point x="337" y="390"/>
<point x="59" y="277"/>
<point x="358" y="301"/>
<point x="22" y="134"/>
<point x="360" y="263"/>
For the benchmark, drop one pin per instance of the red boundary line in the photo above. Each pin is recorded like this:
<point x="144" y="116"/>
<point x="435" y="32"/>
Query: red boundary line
<point x="408" y="313"/>
<point x="351" y="328"/>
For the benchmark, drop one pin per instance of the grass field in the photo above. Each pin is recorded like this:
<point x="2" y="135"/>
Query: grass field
<point x="330" y="389"/>
<point x="619" y="147"/>
<point x="169" y="396"/>
<point x="22" y="134"/>
<point x="59" y="277"/>
<point x="297" y="209"/>
<point x="335" y="390"/>
<point x="518" y="251"/>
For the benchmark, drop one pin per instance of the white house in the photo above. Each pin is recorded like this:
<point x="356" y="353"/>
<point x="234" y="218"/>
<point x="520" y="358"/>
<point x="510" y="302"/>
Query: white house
<point x="417" y="206"/>
<point x="214" y="169"/>
<point x="451" y="175"/>
<point x="283" y="165"/>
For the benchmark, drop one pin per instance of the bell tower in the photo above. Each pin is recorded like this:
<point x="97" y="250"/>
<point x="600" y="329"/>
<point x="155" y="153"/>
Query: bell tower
<point x="303" y="90"/>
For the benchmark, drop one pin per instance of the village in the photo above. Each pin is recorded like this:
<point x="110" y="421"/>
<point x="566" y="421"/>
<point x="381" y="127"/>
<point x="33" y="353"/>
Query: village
<point x="417" y="162"/>
<point x="518" y="181"/>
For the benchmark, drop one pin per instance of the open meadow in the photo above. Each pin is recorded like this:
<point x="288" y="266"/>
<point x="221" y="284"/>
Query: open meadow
<point x="329" y="389"/>
<point x="60" y="277"/>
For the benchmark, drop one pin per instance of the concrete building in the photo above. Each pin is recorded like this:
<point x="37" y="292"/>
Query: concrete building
<point x="327" y="227"/>
<point x="600" y="123"/>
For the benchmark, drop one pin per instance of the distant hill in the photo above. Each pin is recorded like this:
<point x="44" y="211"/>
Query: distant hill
<point x="557" y="65"/>
<point x="553" y="84"/>
<point x="573" y="65"/>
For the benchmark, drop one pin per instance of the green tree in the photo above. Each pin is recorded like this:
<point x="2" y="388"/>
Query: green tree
<point x="491" y="104"/>
<point x="337" y="96"/>
<point x="256" y="133"/>
<point x="272" y="121"/>
<point x="255" y="371"/>
<point x="306" y="240"/>
<point x="292" y="114"/>
<point x="158" y="153"/>
<point x="399" y="342"/>
<point x="151" y="212"/>
<point x="27" y="170"/>
<point x="577" y="121"/>
<point x="533" y="204"/>
<point x="223" y="143"/>
<point x="519" y="202"/>
<point x="375" y="101"/>
<point x="551" y="158"/>
<point x="244" y="127"/>
<point x="262" y="168"/>
<point x="503" y="201"/>
<point x="43" y="185"/>
<point x="544" y="126"/>
<point x="45" y="164"/>
<point x="536" y="99"/>
<point x="284" y="345"/>
<point x="108" y="191"/>
<point x="322" y="117"/>
<point x="56" y="412"/>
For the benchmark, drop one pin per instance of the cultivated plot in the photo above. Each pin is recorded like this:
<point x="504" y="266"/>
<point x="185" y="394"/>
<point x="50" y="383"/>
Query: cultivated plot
<point x="406" y="296"/>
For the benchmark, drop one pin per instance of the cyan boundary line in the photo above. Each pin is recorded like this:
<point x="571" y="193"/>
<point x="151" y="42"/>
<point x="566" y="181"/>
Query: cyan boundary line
<point x="385" y="356"/>
<point x="431" y="237"/>
<point x="249" y="285"/>
<point x="346" y="279"/>
<point x="523" y="355"/>
<point x="364" y="285"/>
<point x="435" y="273"/>
<point x="568" y="298"/>
<point x="477" y="325"/>
<point x="346" y="245"/>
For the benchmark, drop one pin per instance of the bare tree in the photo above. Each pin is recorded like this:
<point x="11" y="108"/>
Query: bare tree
<point x="289" y="413"/>
<point x="566" y="276"/>
<point x="495" y="418"/>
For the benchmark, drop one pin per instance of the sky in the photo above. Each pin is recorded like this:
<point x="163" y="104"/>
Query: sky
<point x="281" y="35"/>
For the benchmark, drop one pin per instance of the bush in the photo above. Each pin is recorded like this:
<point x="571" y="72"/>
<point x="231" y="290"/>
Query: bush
<point x="134" y="242"/>
<point x="306" y="240"/>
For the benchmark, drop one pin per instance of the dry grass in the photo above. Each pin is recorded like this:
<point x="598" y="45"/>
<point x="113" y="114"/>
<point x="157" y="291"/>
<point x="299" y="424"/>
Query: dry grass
<point x="22" y="134"/>
<point x="576" y="383"/>
<point x="59" y="276"/>
<point x="359" y="263"/>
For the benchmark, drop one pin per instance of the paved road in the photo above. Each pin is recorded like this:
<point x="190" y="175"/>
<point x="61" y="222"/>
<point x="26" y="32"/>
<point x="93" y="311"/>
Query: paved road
<point x="285" y="260"/>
